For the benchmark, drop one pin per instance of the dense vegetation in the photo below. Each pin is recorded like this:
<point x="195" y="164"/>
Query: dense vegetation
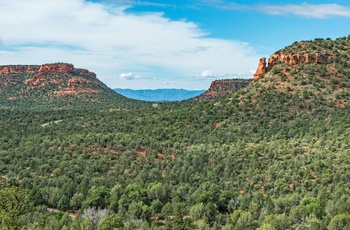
<point x="274" y="155"/>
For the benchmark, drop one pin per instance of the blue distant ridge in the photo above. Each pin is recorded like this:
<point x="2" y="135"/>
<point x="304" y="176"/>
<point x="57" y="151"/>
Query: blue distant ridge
<point x="159" y="95"/>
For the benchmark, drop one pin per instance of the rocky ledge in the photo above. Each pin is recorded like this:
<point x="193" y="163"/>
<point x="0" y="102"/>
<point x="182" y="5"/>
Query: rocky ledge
<point x="43" y="70"/>
<point x="292" y="59"/>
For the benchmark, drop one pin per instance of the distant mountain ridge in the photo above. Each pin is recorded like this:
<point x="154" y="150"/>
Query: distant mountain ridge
<point x="157" y="95"/>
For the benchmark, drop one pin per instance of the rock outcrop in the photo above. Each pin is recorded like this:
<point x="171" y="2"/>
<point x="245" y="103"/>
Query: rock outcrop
<point x="43" y="70"/>
<point x="57" y="85"/>
<point x="78" y="84"/>
<point x="34" y="76"/>
<point x="58" y="68"/>
<point x="55" y="68"/>
<point x="219" y="88"/>
<point x="296" y="59"/>
<point x="9" y="69"/>
<point x="292" y="59"/>
<point x="261" y="70"/>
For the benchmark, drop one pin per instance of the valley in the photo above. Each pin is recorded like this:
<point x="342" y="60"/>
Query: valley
<point x="265" y="153"/>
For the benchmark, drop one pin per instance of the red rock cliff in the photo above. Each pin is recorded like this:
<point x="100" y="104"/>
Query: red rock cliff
<point x="45" y="69"/>
<point x="292" y="59"/>
<point x="18" y="69"/>
<point x="296" y="59"/>
<point x="51" y="83"/>
<point x="261" y="69"/>
<point x="61" y="68"/>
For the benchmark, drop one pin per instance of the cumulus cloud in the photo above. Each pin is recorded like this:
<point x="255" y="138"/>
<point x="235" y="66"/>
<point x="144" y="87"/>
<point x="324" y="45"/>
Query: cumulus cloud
<point x="128" y="76"/>
<point x="107" y="39"/>
<point x="207" y="74"/>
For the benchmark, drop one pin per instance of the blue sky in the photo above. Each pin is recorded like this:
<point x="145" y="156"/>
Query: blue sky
<point x="162" y="44"/>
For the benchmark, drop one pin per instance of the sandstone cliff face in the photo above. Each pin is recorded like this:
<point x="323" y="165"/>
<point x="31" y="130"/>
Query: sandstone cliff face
<point x="12" y="75"/>
<point x="292" y="59"/>
<point x="296" y="59"/>
<point x="18" y="69"/>
<point x="45" y="69"/>
<point x="75" y="85"/>
<point x="57" y="85"/>
<point x="261" y="70"/>
<point x="58" y="68"/>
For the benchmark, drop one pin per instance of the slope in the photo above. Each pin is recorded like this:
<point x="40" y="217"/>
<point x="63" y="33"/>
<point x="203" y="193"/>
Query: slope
<point x="309" y="70"/>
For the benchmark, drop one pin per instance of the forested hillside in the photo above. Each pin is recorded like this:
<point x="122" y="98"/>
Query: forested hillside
<point x="272" y="155"/>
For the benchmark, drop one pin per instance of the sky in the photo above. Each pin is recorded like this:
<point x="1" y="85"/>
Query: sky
<point x="162" y="44"/>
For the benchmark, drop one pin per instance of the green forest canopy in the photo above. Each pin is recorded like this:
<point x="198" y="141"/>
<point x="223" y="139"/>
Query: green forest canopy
<point x="274" y="155"/>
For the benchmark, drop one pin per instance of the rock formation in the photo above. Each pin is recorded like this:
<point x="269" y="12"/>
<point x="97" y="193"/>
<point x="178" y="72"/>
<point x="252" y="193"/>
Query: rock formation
<point x="292" y="59"/>
<point x="56" y="85"/>
<point x="44" y="69"/>
<point x="58" y="68"/>
<point x="296" y="59"/>
<point x="12" y="75"/>
<point x="9" y="69"/>
<point x="219" y="88"/>
<point x="261" y="70"/>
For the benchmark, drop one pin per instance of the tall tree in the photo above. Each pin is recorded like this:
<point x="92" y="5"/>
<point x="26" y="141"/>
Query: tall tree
<point x="14" y="202"/>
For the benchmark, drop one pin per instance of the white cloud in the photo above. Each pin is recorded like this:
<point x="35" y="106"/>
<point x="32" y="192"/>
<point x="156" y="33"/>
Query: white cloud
<point x="107" y="39"/>
<point x="308" y="10"/>
<point x="128" y="76"/>
<point x="142" y="3"/>
<point x="208" y="74"/>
